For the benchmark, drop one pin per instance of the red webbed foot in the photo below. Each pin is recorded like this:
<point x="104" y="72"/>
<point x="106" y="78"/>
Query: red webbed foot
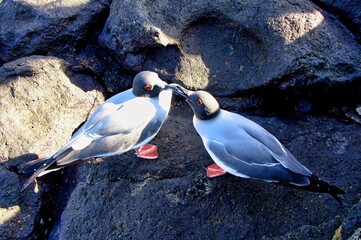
<point x="147" y="151"/>
<point x="214" y="171"/>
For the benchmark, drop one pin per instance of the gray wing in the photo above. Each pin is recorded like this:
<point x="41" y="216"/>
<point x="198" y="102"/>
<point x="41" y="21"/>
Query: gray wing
<point x="108" y="108"/>
<point x="252" y="160"/>
<point x="117" y="133"/>
<point x="132" y="116"/>
<point x="112" y="145"/>
<point x="104" y="110"/>
<point x="274" y="147"/>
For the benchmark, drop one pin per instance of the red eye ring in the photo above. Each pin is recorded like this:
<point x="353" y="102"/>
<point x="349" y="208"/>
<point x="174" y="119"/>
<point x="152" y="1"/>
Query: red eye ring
<point x="199" y="101"/>
<point x="148" y="87"/>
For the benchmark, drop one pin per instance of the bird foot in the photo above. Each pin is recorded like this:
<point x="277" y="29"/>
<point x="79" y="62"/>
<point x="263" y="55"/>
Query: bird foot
<point x="214" y="171"/>
<point x="147" y="151"/>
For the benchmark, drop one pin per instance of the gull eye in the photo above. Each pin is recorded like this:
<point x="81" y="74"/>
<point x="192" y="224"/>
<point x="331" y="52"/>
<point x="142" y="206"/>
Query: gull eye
<point x="199" y="101"/>
<point x="148" y="87"/>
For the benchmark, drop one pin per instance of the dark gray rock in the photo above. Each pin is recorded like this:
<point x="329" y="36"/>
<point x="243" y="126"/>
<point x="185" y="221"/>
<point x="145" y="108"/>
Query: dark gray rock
<point x="171" y="198"/>
<point x="41" y="100"/>
<point x="348" y="11"/>
<point x="228" y="47"/>
<point x="41" y="105"/>
<point x="37" y="27"/>
<point x="17" y="211"/>
<point x="351" y="225"/>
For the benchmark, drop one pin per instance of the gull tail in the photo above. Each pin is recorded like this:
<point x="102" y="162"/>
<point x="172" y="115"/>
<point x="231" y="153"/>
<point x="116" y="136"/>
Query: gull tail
<point x="318" y="185"/>
<point x="36" y="168"/>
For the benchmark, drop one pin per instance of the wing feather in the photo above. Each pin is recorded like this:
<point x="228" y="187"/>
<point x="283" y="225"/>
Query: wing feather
<point x="242" y="165"/>
<point x="108" y="108"/>
<point x="275" y="148"/>
<point x="117" y="133"/>
<point x="104" y="110"/>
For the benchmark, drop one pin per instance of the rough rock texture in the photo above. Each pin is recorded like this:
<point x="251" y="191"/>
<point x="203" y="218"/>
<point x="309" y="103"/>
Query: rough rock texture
<point x="234" y="46"/>
<point x="346" y="10"/>
<point x="41" y="106"/>
<point x="44" y="25"/>
<point x="351" y="224"/>
<point x="44" y="106"/>
<point x="17" y="211"/>
<point x="292" y="66"/>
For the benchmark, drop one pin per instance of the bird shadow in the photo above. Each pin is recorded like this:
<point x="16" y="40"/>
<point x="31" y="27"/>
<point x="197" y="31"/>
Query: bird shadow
<point x="13" y="163"/>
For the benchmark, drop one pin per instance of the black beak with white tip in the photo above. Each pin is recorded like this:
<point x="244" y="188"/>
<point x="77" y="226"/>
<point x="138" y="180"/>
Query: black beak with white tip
<point x="179" y="90"/>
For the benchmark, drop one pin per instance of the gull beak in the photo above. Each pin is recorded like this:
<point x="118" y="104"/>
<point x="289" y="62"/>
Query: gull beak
<point x="179" y="90"/>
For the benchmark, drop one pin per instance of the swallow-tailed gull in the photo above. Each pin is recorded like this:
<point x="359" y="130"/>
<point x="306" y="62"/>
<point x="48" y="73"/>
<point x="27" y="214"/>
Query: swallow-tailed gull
<point x="243" y="148"/>
<point x="128" y="120"/>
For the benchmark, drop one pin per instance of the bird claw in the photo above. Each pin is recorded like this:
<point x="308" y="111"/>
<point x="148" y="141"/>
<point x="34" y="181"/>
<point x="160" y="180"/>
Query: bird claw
<point x="214" y="171"/>
<point x="147" y="151"/>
